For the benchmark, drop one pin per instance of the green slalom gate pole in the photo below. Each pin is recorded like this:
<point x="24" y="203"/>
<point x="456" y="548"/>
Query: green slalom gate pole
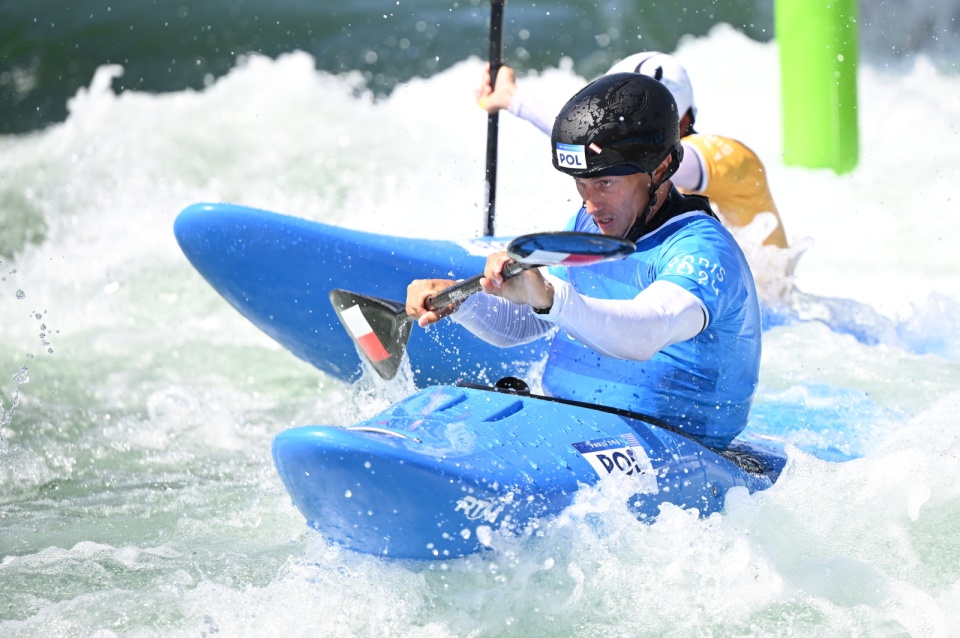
<point x="818" y="70"/>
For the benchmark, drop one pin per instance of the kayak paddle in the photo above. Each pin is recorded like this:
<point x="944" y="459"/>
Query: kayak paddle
<point x="493" y="119"/>
<point x="380" y="328"/>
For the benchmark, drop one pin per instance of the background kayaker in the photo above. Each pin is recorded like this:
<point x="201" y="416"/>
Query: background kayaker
<point x="672" y="330"/>
<point x="721" y="168"/>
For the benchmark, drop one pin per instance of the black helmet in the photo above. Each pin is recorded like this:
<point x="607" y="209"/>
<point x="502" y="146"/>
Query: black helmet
<point x="619" y="124"/>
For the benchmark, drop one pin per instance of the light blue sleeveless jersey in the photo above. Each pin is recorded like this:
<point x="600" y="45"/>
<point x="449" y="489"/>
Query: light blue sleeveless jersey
<point x="704" y="385"/>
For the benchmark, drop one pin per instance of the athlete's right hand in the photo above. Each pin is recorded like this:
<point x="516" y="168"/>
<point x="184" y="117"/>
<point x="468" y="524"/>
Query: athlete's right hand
<point x="492" y="99"/>
<point x="530" y="287"/>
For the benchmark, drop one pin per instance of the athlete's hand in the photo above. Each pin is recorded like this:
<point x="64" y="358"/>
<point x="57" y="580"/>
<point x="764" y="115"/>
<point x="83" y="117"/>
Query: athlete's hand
<point x="418" y="292"/>
<point x="530" y="287"/>
<point x="491" y="99"/>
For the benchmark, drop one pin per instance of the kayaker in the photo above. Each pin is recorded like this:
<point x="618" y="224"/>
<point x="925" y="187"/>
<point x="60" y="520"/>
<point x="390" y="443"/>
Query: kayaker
<point x="721" y="168"/>
<point x="674" y="329"/>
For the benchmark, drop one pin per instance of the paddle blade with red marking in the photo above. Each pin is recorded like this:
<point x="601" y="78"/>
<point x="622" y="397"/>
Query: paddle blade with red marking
<point x="378" y="327"/>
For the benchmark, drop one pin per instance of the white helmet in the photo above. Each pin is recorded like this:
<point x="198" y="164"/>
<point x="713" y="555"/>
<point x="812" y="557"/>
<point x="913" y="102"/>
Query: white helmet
<point x="667" y="70"/>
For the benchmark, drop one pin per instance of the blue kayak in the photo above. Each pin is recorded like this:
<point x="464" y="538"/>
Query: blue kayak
<point x="437" y="474"/>
<point x="278" y="271"/>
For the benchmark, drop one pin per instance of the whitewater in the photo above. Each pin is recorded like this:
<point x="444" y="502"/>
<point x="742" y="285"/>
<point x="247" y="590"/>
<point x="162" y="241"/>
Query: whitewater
<point x="137" y="492"/>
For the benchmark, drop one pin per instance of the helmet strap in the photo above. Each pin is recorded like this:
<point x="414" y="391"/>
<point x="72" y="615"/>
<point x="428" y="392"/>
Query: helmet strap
<point x="639" y="225"/>
<point x="652" y="198"/>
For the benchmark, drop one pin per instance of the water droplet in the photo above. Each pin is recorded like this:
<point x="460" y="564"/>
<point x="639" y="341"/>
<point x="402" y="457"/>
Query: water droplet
<point x="22" y="375"/>
<point x="21" y="294"/>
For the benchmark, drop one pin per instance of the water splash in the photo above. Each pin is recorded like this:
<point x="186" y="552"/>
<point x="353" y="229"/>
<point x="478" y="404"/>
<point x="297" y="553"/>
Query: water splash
<point x="6" y="416"/>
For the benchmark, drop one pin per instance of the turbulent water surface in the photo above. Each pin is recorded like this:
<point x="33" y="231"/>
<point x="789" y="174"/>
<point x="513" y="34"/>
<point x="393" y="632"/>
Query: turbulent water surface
<point x="137" y="493"/>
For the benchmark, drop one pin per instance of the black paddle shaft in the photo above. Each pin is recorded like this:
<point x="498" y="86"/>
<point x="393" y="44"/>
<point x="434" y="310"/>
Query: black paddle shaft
<point x="546" y="249"/>
<point x="493" y="119"/>
<point x="461" y="290"/>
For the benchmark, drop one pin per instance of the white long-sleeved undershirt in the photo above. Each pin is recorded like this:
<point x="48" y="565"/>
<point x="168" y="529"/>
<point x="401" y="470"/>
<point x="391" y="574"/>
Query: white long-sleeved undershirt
<point x="634" y="329"/>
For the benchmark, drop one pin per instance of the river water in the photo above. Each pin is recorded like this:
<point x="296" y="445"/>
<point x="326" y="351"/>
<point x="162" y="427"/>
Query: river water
<point x="137" y="493"/>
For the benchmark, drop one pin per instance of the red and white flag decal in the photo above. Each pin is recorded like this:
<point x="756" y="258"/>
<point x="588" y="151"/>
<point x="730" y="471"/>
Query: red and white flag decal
<point x="581" y="260"/>
<point x="359" y="328"/>
<point x="551" y="258"/>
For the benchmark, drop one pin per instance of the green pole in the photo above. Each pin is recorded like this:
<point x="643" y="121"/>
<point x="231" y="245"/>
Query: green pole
<point x="818" y="71"/>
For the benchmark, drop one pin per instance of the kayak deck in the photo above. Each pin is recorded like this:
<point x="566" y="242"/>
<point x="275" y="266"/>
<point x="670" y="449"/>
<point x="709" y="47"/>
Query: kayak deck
<point x="435" y="475"/>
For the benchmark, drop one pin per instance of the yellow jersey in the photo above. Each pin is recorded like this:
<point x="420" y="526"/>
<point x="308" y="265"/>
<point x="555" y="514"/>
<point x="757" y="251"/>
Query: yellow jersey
<point x="735" y="181"/>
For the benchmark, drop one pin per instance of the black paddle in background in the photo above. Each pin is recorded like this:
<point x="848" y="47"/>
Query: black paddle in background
<point x="493" y="119"/>
<point x="380" y="328"/>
